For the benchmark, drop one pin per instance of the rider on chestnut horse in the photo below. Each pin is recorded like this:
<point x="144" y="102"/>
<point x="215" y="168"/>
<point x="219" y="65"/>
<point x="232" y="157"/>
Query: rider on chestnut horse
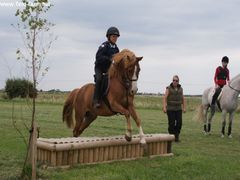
<point x="103" y="62"/>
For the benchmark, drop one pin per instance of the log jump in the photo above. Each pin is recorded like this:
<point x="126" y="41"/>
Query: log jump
<point x="90" y="150"/>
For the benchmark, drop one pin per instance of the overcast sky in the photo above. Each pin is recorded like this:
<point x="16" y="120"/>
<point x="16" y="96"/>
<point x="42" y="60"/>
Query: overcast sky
<point x="182" y="37"/>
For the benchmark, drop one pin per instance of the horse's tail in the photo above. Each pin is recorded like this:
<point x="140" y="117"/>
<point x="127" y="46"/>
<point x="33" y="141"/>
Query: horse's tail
<point x="67" y="114"/>
<point x="200" y="114"/>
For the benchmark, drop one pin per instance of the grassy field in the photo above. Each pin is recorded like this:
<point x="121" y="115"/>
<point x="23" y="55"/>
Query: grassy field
<point x="195" y="157"/>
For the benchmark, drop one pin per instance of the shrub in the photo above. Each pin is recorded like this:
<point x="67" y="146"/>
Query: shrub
<point x="20" y="88"/>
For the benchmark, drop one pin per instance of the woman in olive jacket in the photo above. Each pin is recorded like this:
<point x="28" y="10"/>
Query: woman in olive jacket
<point x="174" y="105"/>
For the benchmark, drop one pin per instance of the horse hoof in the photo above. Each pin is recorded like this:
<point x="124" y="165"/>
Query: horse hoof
<point x="205" y="133"/>
<point x="222" y="136"/>
<point x="128" y="138"/>
<point x="230" y="136"/>
<point x="75" y="134"/>
<point x="143" y="142"/>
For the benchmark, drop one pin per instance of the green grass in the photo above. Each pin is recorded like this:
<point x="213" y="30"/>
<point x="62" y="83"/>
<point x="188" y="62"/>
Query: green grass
<point x="196" y="157"/>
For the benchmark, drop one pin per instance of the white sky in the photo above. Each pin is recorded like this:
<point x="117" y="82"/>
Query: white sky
<point x="183" y="37"/>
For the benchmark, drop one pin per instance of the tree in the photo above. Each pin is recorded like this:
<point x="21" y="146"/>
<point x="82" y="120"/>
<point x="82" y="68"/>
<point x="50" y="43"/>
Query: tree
<point x="33" y="28"/>
<point x="17" y="87"/>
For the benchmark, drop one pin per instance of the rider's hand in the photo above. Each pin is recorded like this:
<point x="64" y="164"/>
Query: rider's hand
<point x="164" y="109"/>
<point x="184" y="110"/>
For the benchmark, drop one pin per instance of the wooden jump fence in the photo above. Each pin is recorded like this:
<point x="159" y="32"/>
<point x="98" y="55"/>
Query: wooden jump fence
<point x="82" y="150"/>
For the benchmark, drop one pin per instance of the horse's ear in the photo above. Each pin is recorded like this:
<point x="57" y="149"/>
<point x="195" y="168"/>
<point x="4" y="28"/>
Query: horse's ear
<point x="139" y="58"/>
<point x="117" y="58"/>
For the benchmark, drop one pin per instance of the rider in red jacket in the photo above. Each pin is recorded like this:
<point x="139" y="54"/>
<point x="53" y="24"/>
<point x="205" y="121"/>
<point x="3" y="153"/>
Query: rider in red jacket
<point x="221" y="78"/>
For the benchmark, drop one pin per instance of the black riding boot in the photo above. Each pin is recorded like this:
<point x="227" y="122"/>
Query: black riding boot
<point x="96" y="97"/>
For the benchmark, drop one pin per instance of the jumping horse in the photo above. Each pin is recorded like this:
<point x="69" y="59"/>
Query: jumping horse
<point x="123" y="76"/>
<point x="228" y="101"/>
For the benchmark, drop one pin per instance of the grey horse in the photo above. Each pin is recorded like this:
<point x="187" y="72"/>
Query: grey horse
<point x="228" y="101"/>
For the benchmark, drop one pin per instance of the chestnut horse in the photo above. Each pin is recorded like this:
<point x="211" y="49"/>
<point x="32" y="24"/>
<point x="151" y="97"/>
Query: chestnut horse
<point x="123" y="75"/>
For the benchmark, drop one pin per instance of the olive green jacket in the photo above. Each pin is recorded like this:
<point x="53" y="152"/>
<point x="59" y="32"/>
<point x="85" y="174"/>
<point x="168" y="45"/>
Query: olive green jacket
<point x="175" y="98"/>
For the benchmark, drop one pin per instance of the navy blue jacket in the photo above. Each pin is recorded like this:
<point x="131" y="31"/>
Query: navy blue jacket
<point x="104" y="56"/>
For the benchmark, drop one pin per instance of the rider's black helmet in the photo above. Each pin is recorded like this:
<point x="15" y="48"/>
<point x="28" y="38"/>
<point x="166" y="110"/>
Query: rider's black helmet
<point x="112" y="31"/>
<point x="225" y="59"/>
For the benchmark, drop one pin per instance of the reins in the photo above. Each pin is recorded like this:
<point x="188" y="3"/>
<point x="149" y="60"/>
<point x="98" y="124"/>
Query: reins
<point x="234" y="88"/>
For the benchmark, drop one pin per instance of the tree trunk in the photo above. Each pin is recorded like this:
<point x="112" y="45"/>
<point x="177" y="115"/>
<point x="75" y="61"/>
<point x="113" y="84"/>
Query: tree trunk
<point x="31" y="157"/>
<point x="34" y="151"/>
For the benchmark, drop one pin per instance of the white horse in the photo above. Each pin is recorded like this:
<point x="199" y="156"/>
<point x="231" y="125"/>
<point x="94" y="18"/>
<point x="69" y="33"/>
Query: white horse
<point x="228" y="100"/>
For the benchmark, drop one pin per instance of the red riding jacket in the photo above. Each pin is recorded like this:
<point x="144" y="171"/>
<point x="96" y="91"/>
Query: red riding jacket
<point x="221" y="76"/>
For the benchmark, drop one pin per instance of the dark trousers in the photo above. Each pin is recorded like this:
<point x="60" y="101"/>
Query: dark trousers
<point x="216" y="94"/>
<point x="174" y="122"/>
<point x="101" y="85"/>
<point x="98" y="81"/>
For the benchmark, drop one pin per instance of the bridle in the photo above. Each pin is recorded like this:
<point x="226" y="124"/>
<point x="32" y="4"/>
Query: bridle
<point x="126" y="82"/>
<point x="126" y="78"/>
<point x="233" y="88"/>
<point x="130" y="79"/>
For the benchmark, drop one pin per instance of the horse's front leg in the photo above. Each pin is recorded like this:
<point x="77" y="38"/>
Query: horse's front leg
<point x="138" y="123"/>
<point x="224" y="114"/>
<point x="128" y="135"/>
<point x="231" y="115"/>
<point x="119" y="108"/>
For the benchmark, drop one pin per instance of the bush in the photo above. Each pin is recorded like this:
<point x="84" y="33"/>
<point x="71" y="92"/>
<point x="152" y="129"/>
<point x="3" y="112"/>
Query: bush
<point x="20" y="88"/>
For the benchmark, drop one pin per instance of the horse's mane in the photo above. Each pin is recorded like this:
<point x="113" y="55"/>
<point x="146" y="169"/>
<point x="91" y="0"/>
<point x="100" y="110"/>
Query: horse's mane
<point x="235" y="78"/>
<point x="120" y="60"/>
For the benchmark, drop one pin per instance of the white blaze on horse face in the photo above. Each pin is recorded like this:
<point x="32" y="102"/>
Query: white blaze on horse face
<point x="134" y="88"/>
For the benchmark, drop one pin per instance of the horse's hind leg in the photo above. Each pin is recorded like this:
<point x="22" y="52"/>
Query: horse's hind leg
<point x="205" y="113"/>
<point x="212" y="112"/>
<point x="88" y="119"/>
<point x="230" y="124"/>
<point x="224" y="114"/>
<point x="207" y="119"/>
<point x="79" y="116"/>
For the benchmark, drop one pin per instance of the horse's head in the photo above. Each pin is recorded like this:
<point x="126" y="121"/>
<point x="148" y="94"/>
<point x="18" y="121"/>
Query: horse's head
<point x="128" y="67"/>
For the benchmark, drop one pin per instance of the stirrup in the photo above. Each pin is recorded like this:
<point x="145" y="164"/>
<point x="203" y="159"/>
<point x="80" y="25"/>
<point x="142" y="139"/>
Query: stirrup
<point x="96" y="105"/>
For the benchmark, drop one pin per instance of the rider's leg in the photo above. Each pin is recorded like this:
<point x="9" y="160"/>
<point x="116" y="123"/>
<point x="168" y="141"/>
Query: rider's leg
<point x="216" y="94"/>
<point x="98" y="80"/>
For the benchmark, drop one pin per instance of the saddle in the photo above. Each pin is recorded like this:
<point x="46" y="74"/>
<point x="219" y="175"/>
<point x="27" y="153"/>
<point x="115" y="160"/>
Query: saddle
<point x="103" y="91"/>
